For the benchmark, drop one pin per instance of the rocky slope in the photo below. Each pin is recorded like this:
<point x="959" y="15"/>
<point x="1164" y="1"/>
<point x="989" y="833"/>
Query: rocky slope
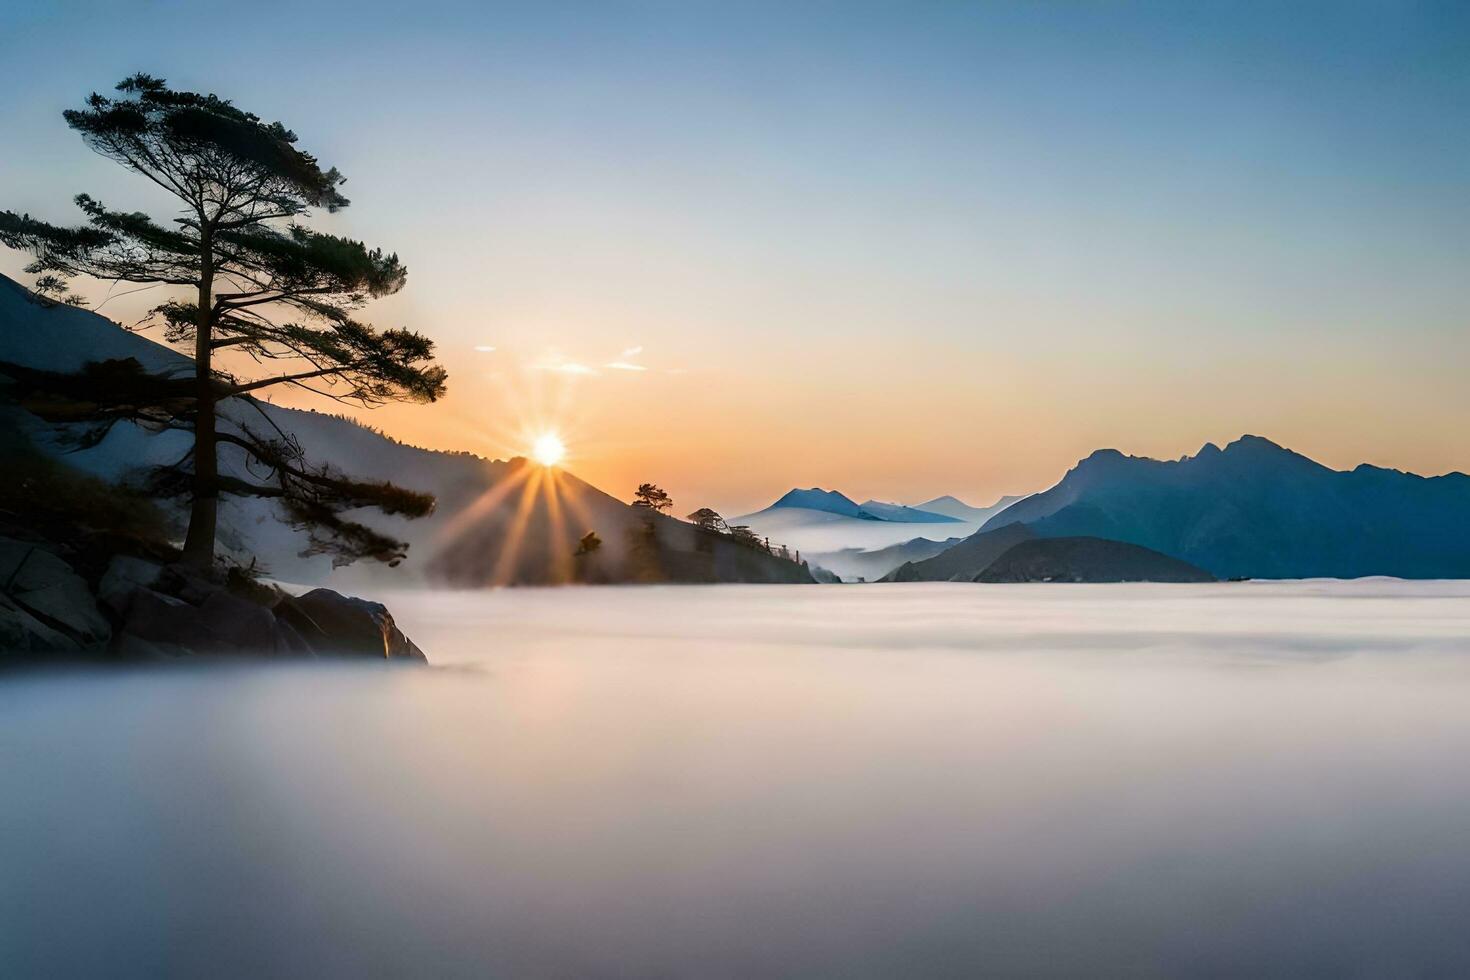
<point x="87" y="571"/>
<point x="141" y="610"/>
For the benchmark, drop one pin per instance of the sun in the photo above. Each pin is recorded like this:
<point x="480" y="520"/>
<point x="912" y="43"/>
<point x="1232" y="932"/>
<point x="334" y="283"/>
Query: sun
<point x="548" y="449"/>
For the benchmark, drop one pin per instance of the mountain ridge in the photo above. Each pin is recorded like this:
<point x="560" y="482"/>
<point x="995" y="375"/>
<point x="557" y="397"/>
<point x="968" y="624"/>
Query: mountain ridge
<point x="1257" y="509"/>
<point x="836" y="502"/>
<point x="952" y="506"/>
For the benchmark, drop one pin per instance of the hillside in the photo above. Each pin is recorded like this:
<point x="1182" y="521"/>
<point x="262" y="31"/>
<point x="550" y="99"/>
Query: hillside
<point x="965" y="560"/>
<point x="872" y="564"/>
<point x="496" y="521"/>
<point x="1087" y="560"/>
<point x="1255" y="509"/>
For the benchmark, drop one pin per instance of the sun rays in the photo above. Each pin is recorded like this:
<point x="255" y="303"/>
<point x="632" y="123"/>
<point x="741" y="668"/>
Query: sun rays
<point x="526" y="526"/>
<point x="502" y="518"/>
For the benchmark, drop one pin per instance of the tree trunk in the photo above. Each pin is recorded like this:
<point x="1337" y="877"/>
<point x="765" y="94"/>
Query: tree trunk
<point x="199" y="541"/>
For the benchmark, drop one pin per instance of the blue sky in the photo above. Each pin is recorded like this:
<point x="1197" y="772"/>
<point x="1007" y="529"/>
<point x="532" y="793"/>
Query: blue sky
<point x="988" y="237"/>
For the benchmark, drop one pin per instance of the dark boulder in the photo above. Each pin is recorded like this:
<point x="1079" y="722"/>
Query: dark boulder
<point x="24" y="635"/>
<point x="169" y="625"/>
<point x="320" y="623"/>
<point x="243" y="625"/>
<point x="144" y="610"/>
<point x="334" y="624"/>
<point x="37" y="582"/>
<point x="125" y="575"/>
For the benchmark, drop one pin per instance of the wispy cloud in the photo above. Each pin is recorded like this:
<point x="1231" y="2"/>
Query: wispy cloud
<point x="553" y="360"/>
<point x="625" y="366"/>
<point x="484" y="348"/>
<point x="632" y="352"/>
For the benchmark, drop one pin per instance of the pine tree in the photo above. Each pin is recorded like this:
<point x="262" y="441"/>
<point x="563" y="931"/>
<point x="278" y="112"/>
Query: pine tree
<point x="652" y="498"/>
<point x="257" y="282"/>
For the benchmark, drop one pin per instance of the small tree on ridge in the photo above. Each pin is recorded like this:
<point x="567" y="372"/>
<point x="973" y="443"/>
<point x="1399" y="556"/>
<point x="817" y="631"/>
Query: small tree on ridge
<point x="652" y="497"/>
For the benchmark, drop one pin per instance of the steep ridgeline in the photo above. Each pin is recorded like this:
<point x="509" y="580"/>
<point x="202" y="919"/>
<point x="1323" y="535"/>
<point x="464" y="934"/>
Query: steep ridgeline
<point x="1087" y="560"/>
<point x="495" y="521"/>
<point x="1254" y="509"/>
<point x="964" y="561"/>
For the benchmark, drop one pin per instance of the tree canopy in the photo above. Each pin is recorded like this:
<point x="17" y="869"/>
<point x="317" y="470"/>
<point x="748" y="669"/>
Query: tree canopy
<point x="652" y="497"/>
<point x="260" y="287"/>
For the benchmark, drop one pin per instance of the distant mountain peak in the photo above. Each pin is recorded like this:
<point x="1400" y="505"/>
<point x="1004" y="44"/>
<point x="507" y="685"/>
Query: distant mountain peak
<point x="948" y="498"/>
<point x="884" y="511"/>
<point x="1256" y="442"/>
<point x="951" y="506"/>
<point x="1100" y="463"/>
<point x="815" y="498"/>
<point x="811" y="493"/>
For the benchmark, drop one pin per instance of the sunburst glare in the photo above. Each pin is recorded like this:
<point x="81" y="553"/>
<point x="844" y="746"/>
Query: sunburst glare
<point x="548" y="449"/>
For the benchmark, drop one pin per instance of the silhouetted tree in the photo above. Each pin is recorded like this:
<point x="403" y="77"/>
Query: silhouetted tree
<point x="588" y="544"/>
<point x="744" y="535"/>
<point x="106" y="392"/>
<point x="707" y="519"/>
<point x="53" y="290"/>
<point x="652" y="497"/>
<point x="260" y="284"/>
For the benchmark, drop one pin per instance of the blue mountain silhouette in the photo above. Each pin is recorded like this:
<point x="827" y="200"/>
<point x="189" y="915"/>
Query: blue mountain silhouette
<point x="1255" y="509"/>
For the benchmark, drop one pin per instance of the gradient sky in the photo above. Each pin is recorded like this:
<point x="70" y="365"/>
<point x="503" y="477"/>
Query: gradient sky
<point x="899" y="249"/>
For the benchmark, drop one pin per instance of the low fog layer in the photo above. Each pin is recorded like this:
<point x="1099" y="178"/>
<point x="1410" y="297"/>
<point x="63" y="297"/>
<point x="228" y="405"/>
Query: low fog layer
<point x="919" y="780"/>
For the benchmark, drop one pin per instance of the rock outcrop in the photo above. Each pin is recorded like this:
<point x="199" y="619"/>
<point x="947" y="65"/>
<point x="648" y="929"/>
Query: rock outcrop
<point x="41" y="589"/>
<point x="329" y="621"/>
<point x="145" y="610"/>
